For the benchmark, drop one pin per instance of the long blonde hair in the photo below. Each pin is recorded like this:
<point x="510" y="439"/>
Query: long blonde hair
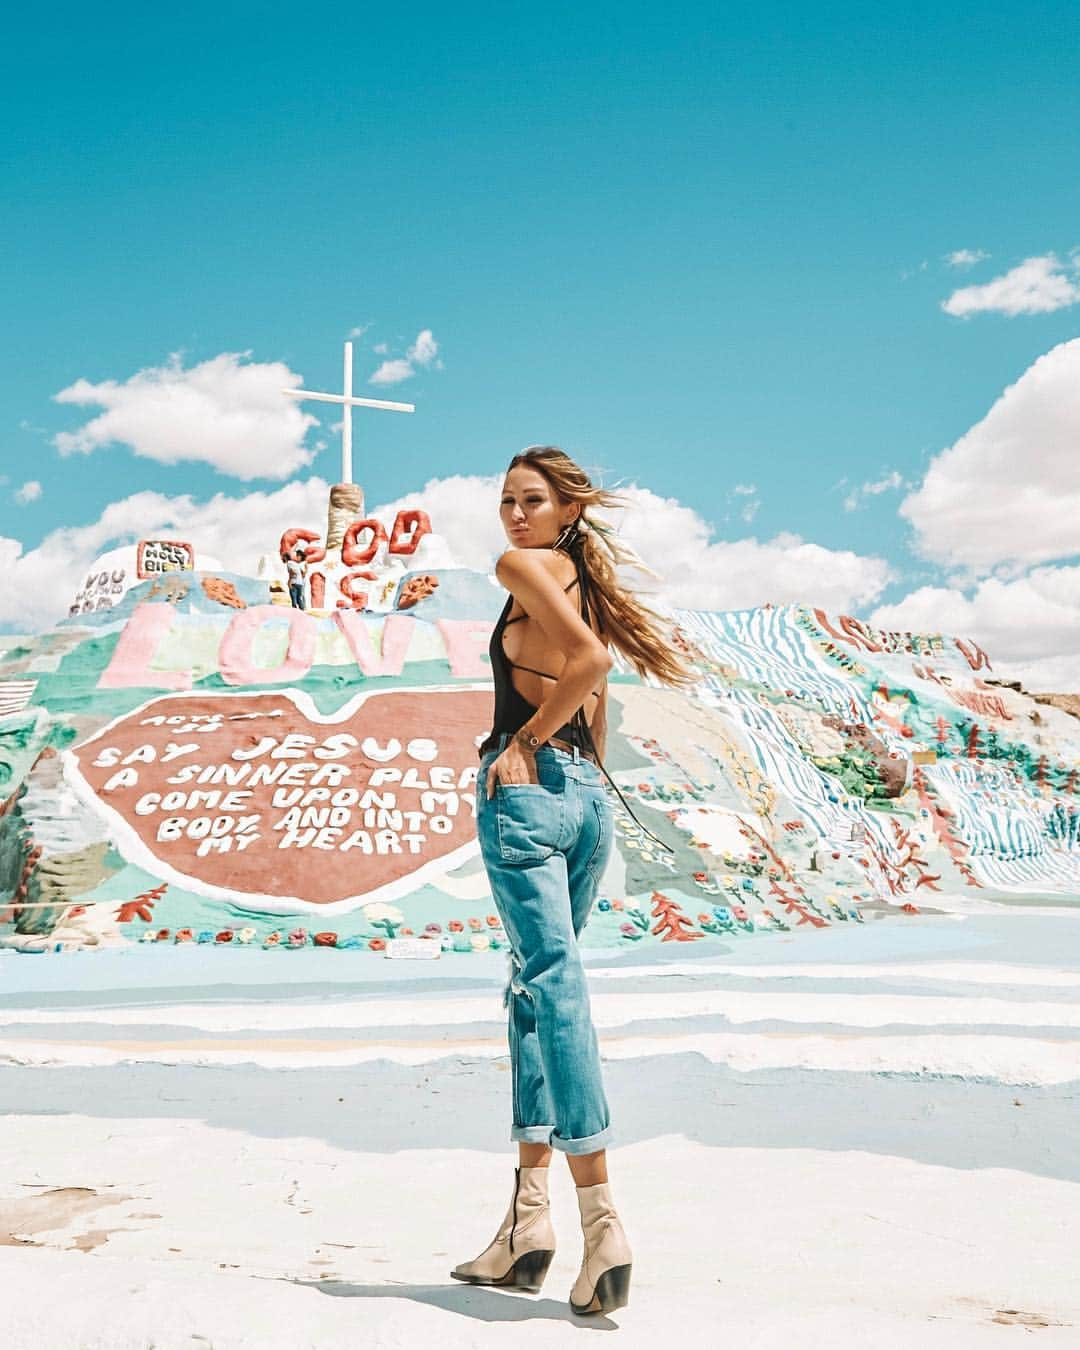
<point x="632" y="628"/>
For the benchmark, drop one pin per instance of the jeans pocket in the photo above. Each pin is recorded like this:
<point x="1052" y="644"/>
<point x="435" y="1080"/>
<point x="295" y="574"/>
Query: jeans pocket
<point x="598" y="860"/>
<point x="529" y="818"/>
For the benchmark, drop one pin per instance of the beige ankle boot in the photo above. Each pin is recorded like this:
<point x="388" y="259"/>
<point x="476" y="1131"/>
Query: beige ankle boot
<point x="603" y="1283"/>
<point x="520" y="1253"/>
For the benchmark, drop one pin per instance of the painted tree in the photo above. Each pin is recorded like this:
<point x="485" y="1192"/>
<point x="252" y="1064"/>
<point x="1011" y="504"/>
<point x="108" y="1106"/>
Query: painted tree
<point x="804" y="907"/>
<point x="142" y="907"/>
<point x="942" y="820"/>
<point x="671" y="921"/>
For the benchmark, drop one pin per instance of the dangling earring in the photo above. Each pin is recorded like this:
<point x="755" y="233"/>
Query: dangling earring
<point x="566" y="535"/>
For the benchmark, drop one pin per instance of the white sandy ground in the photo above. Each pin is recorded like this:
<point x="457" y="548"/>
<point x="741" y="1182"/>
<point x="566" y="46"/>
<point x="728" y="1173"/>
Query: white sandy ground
<point x="292" y="1243"/>
<point x="819" y="1166"/>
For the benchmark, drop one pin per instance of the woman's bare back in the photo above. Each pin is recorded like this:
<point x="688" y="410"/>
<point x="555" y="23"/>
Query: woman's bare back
<point x="526" y="644"/>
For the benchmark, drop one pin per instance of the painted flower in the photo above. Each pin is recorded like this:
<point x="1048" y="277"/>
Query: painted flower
<point x="226" y="935"/>
<point x="246" y="935"/>
<point x="616" y="904"/>
<point x="184" y="935"/>
<point x="493" y="921"/>
<point x="480" y="942"/>
<point x="272" y="939"/>
<point x="162" y="935"/>
<point x="475" y="925"/>
<point x="433" y="928"/>
<point x="456" y="926"/>
<point x="407" y="932"/>
<point x="205" y="936"/>
<point x="380" y="910"/>
<point x="377" y="944"/>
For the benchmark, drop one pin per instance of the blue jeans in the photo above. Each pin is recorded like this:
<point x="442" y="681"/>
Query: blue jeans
<point x="545" y="846"/>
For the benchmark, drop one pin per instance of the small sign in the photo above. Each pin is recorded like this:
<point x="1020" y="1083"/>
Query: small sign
<point x="157" y="556"/>
<point x="421" y="949"/>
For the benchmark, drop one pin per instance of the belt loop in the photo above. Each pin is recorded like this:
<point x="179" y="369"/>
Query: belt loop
<point x="577" y="755"/>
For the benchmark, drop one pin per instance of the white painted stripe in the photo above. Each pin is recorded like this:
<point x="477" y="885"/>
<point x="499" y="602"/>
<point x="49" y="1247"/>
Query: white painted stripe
<point x="1005" y="1059"/>
<point x="960" y="972"/>
<point x="608" y="1010"/>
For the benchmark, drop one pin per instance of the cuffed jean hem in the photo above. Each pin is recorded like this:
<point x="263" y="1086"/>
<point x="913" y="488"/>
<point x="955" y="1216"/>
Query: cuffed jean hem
<point x="590" y="1144"/>
<point x="531" y="1134"/>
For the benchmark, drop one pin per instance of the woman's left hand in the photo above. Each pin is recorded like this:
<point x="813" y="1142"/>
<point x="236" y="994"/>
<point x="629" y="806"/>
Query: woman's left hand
<point x="514" y="765"/>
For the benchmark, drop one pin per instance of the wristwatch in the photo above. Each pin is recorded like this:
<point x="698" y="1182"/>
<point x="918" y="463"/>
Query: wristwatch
<point x="527" y="740"/>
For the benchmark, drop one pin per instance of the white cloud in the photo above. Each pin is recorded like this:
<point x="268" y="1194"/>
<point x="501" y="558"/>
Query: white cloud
<point x="227" y="412"/>
<point x="393" y="372"/>
<point x="966" y="257"/>
<point x="1008" y="491"/>
<point x="887" y="483"/>
<point x="750" y="504"/>
<point x="359" y="330"/>
<point x="40" y="584"/>
<point x="425" y="349"/>
<point x="423" y="353"/>
<point x="1035" y="286"/>
<point x="1029" y="627"/>
<point x="381" y="348"/>
<point x="699" y="571"/>
<point x="29" y="492"/>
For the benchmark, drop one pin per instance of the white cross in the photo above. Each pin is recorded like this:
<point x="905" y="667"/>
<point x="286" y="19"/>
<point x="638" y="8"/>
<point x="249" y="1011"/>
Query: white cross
<point x="346" y="398"/>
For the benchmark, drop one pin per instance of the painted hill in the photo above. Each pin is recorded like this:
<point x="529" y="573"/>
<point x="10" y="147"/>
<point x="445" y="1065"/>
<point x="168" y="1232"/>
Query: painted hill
<point x="187" y="758"/>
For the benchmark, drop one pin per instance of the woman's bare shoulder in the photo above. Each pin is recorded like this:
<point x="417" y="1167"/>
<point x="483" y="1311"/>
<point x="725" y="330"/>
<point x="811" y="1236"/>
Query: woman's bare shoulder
<point x="525" y="563"/>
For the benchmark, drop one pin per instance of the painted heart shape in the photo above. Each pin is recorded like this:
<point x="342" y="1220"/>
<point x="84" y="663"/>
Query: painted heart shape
<point x="256" y="798"/>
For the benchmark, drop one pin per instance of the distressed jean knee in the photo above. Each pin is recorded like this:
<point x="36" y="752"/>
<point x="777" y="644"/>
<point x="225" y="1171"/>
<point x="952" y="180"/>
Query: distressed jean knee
<point x="514" y="984"/>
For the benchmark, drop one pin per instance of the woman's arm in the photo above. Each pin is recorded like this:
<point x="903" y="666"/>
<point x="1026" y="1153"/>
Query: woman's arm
<point x="531" y="582"/>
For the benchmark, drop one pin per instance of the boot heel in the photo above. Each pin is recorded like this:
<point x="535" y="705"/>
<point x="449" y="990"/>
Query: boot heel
<point x="613" y="1288"/>
<point x="612" y="1291"/>
<point x="528" y="1271"/>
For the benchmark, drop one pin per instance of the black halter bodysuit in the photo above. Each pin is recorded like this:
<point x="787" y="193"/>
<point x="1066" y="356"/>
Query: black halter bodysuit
<point x="512" y="710"/>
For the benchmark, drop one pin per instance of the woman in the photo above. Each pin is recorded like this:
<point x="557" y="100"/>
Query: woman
<point x="545" y="829"/>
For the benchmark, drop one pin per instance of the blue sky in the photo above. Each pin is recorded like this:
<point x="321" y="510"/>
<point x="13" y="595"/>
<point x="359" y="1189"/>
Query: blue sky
<point x="698" y="245"/>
